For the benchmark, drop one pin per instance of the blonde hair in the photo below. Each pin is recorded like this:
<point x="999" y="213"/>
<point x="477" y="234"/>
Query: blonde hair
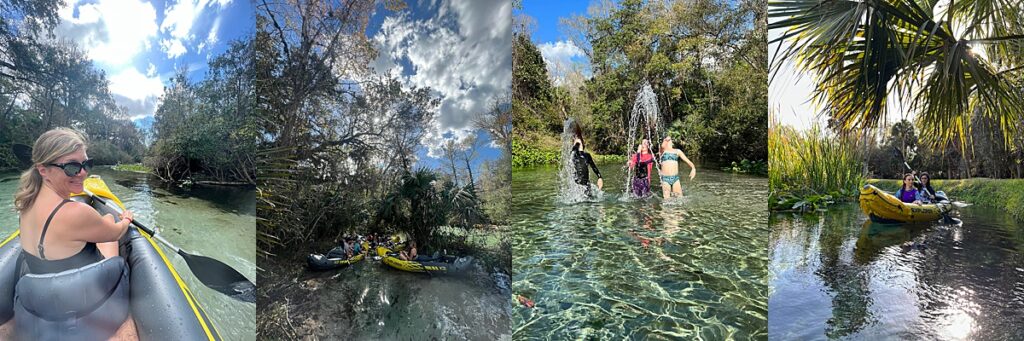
<point x="49" y="147"/>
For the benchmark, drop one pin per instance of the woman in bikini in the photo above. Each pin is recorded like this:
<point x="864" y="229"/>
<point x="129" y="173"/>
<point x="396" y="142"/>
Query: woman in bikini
<point x="670" y="186"/>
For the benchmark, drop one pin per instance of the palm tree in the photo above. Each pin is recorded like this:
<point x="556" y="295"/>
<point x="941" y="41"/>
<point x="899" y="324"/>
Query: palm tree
<point x="947" y="58"/>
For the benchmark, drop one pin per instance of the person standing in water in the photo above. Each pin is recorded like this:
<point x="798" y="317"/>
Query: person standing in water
<point x="670" y="157"/>
<point x="642" y="162"/>
<point x="581" y="160"/>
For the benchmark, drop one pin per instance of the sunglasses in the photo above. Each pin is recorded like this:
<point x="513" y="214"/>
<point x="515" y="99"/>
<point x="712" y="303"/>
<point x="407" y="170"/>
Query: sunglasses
<point x="72" y="168"/>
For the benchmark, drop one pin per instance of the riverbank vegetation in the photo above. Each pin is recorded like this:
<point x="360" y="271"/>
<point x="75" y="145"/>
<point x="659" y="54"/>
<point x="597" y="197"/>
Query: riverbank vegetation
<point x="203" y="131"/>
<point x="810" y="169"/>
<point x="704" y="60"/>
<point x="47" y="83"/>
<point x="340" y="145"/>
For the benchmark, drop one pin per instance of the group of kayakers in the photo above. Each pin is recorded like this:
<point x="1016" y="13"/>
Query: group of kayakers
<point x="640" y="164"/>
<point x="915" y="192"/>
<point x="353" y="245"/>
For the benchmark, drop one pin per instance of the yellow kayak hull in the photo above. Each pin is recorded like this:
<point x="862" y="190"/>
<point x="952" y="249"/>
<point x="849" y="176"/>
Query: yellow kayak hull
<point x="883" y="207"/>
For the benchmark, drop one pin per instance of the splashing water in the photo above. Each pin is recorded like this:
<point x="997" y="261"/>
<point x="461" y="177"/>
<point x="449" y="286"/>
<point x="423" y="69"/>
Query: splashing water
<point x="569" y="191"/>
<point x="644" y="123"/>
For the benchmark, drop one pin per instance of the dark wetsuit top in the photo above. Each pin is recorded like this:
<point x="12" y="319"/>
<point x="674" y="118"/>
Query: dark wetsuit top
<point x="581" y="160"/>
<point x="40" y="265"/>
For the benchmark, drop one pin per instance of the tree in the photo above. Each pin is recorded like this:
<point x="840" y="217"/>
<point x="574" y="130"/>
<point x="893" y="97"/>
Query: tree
<point x="866" y="53"/>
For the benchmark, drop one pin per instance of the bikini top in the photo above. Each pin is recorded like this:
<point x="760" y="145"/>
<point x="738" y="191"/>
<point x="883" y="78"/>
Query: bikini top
<point x="669" y="156"/>
<point x="40" y="265"/>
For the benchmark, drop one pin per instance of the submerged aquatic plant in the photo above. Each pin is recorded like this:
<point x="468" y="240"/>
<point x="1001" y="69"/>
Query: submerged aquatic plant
<point x="810" y="169"/>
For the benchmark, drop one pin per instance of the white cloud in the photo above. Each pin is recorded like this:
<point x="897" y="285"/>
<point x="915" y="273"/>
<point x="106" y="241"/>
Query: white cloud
<point x="112" y="32"/>
<point x="179" y="20"/>
<point x="133" y="85"/>
<point x="464" y="54"/>
<point x="173" y="48"/>
<point x="151" y="70"/>
<point x="558" y="58"/>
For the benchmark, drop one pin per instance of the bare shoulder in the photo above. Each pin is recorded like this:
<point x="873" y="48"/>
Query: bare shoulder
<point x="77" y="212"/>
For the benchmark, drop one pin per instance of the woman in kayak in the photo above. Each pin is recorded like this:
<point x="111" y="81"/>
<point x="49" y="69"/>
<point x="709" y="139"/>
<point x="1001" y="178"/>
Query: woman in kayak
<point x="59" y="235"/>
<point x="642" y="161"/>
<point x="907" y="193"/>
<point x="670" y="169"/>
<point x="410" y="253"/>
<point x="926" y="186"/>
<point x="581" y="160"/>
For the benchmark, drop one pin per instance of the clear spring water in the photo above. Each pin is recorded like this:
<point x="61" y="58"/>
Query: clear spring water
<point x="836" y="275"/>
<point x="701" y="275"/>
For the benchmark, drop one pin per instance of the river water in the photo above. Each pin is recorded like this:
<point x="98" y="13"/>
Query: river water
<point x="836" y="275"/>
<point x="218" y="222"/>
<point x="690" y="268"/>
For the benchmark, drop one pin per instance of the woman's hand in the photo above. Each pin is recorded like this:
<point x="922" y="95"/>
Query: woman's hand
<point x="127" y="215"/>
<point x="600" y="183"/>
<point x="693" y="173"/>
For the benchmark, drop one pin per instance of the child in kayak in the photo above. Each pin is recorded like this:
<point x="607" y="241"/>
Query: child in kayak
<point x="643" y="161"/>
<point x="907" y="193"/>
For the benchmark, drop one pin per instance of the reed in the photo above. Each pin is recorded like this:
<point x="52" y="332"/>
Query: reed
<point x="808" y="169"/>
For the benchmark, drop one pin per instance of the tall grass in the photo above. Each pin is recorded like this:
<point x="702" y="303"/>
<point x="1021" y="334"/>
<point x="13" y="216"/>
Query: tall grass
<point x="810" y="165"/>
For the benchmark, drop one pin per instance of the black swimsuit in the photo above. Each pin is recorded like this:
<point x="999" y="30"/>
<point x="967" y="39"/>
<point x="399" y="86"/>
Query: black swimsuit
<point x="40" y="265"/>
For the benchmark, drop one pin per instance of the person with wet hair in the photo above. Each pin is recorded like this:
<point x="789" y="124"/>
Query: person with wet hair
<point x="582" y="160"/>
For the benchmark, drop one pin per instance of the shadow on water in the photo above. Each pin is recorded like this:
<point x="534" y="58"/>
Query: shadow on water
<point x="838" y="275"/>
<point x="647" y="269"/>
<point x="230" y="199"/>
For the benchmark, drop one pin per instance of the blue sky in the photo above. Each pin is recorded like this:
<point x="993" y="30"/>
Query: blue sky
<point x="460" y="49"/>
<point x="140" y="44"/>
<point x="558" y="52"/>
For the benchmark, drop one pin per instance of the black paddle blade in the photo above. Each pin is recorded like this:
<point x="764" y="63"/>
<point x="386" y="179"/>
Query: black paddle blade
<point x="23" y="153"/>
<point x="221" y="277"/>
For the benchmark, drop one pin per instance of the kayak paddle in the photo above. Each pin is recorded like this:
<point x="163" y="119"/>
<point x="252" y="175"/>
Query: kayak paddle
<point x="213" y="273"/>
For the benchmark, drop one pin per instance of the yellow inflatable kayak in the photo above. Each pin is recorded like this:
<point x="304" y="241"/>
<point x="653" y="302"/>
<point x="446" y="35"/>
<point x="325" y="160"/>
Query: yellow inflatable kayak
<point x="885" y="208"/>
<point x="443" y="264"/>
<point x="162" y="305"/>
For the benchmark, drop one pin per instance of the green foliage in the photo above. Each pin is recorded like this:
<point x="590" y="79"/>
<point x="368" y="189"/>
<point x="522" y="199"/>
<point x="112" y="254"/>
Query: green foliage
<point x="810" y="168"/>
<point x="747" y="167"/>
<point x="421" y="204"/>
<point x="865" y="53"/>
<point x="526" y="155"/>
<point x="208" y="130"/>
<point x="47" y="83"/>
<point x="703" y="59"/>
<point x="132" y="167"/>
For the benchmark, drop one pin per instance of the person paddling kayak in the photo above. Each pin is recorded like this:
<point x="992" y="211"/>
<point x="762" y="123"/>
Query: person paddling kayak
<point x="907" y="193"/>
<point x="67" y="242"/>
